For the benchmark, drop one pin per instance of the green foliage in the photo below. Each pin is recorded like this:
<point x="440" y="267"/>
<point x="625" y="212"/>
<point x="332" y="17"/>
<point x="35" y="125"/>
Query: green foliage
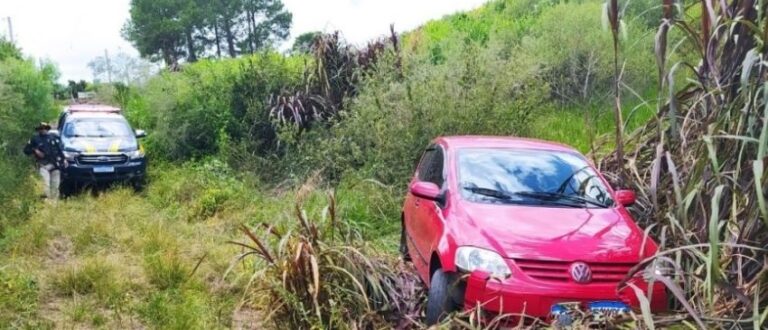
<point x="173" y="29"/>
<point x="18" y="298"/>
<point x="91" y="277"/>
<point x="579" y="66"/>
<point x="699" y="164"/>
<point x="303" y="42"/>
<point x="474" y="93"/>
<point x="212" y="107"/>
<point x="315" y="276"/>
<point x="25" y="99"/>
<point x="500" y="69"/>
<point x="9" y="50"/>
<point x="165" y="270"/>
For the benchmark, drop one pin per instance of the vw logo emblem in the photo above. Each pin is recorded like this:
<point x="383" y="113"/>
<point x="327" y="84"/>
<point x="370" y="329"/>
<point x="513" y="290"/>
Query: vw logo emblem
<point x="580" y="272"/>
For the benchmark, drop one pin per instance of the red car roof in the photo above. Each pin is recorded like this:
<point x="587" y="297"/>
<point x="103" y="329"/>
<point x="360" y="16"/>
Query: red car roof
<point x="477" y="141"/>
<point x="91" y="108"/>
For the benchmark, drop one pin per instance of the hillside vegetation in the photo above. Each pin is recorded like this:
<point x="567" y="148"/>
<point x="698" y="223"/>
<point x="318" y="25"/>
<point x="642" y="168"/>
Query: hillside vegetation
<point x="501" y="69"/>
<point x="276" y="180"/>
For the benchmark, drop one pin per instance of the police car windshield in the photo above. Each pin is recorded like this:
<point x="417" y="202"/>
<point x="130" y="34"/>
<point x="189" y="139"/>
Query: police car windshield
<point x="95" y="128"/>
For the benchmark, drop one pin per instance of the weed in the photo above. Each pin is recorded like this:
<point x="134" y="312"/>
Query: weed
<point x="699" y="165"/>
<point x="166" y="270"/>
<point x="91" y="276"/>
<point x="18" y="296"/>
<point x="313" y="277"/>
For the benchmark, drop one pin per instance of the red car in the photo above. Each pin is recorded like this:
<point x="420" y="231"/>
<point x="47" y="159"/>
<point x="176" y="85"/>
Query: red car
<point x="521" y="226"/>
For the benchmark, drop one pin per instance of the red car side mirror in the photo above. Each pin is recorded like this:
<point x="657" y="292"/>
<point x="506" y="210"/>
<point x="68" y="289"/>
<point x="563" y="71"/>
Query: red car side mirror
<point x="426" y="190"/>
<point x="625" y="197"/>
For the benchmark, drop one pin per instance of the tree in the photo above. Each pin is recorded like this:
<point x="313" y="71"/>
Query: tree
<point x="122" y="68"/>
<point x="76" y="87"/>
<point x="9" y="50"/>
<point x="226" y="24"/>
<point x="156" y="30"/>
<point x="267" y="22"/>
<point x="173" y="29"/>
<point x="303" y="43"/>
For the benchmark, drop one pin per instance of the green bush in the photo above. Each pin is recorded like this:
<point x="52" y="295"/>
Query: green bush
<point x="494" y="70"/>
<point x="385" y="128"/>
<point x="211" y="106"/>
<point x="26" y="98"/>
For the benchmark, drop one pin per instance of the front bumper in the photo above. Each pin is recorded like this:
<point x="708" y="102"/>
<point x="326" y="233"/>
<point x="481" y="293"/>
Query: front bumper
<point x="134" y="169"/>
<point x="517" y="296"/>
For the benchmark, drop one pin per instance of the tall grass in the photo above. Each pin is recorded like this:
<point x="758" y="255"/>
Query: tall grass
<point x="699" y="165"/>
<point x="318" y="274"/>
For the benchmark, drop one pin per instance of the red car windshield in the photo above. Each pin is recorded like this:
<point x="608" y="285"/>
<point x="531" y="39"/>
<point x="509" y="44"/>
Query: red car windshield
<point x="539" y="177"/>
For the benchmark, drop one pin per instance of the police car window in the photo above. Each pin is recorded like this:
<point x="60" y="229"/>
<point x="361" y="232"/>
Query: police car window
<point x="97" y="128"/>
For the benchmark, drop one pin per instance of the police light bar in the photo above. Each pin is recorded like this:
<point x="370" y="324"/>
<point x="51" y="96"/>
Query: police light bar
<point x="91" y="108"/>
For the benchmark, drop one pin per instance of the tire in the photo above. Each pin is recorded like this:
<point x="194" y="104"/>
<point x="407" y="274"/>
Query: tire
<point x="138" y="184"/>
<point x="67" y="188"/>
<point x="440" y="301"/>
<point x="404" y="246"/>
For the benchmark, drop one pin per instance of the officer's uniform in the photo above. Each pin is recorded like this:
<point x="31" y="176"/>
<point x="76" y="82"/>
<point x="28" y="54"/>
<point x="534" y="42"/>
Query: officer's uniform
<point x="51" y="164"/>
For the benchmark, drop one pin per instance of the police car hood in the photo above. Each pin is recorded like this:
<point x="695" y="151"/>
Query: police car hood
<point x="100" y="144"/>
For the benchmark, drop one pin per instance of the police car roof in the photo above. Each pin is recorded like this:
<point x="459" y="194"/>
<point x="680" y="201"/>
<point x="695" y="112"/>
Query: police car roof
<point x="99" y="108"/>
<point x="95" y="115"/>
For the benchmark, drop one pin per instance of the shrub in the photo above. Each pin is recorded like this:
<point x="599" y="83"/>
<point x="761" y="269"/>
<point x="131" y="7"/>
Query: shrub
<point x="25" y="99"/>
<point x="211" y="106"/>
<point x="699" y="167"/>
<point x="92" y="276"/>
<point x="166" y="270"/>
<point x="313" y="276"/>
<point x="18" y="297"/>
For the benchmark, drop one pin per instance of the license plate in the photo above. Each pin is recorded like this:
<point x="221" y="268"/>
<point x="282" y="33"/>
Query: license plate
<point x="103" y="169"/>
<point x="608" y="307"/>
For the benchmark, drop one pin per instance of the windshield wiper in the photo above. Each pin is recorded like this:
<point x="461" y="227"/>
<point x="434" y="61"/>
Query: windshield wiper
<point x="549" y="197"/>
<point x="560" y="196"/>
<point x="498" y="194"/>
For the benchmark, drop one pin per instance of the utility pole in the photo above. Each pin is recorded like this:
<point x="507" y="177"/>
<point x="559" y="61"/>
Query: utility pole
<point x="109" y="66"/>
<point x="10" y="29"/>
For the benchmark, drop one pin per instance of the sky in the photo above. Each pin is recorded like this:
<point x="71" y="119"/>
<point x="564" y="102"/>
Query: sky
<point x="71" y="33"/>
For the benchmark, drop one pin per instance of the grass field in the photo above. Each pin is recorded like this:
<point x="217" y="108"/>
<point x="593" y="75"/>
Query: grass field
<point x="155" y="259"/>
<point x="120" y="259"/>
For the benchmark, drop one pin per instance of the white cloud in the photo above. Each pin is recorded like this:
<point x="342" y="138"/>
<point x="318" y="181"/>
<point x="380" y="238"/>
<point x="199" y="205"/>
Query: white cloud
<point x="73" y="32"/>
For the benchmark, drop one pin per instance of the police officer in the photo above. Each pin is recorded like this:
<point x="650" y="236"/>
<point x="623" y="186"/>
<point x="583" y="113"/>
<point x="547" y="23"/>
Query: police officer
<point x="47" y="150"/>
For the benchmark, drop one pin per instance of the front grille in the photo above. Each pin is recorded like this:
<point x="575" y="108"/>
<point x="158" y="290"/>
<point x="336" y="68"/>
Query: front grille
<point x="102" y="159"/>
<point x="558" y="271"/>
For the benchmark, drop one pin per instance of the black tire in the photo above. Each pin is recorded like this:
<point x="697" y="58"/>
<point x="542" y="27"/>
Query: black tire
<point x="440" y="301"/>
<point x="67" y="188"/>
<point x="138" y="184"/>
<point x="404" y="246"/>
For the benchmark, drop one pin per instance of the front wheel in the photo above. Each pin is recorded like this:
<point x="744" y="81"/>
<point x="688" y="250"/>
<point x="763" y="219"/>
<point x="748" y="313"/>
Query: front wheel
<point x="138" y="184"/>
<point x="67" y="188"/>
<point x="441" y="301"/>
<point x="404" y="246"/>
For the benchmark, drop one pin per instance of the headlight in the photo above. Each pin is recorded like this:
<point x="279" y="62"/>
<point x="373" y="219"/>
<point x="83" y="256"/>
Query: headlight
<point x="470" y="259"/>
<point x="658" y="269"/>
<point x="136" y="154"/>
<point x="71" y="155"/>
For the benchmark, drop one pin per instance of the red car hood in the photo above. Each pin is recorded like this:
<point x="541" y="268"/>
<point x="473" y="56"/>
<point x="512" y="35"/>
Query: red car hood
<point x="569" y="234"/>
